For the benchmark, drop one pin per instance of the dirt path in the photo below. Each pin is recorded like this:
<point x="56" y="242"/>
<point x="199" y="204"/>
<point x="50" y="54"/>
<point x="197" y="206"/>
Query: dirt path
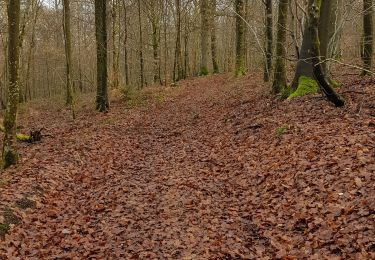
<point x="218" y="170"/>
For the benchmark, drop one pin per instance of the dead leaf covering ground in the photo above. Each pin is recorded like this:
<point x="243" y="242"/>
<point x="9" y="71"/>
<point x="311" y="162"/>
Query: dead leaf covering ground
<point x="219" y="170"/>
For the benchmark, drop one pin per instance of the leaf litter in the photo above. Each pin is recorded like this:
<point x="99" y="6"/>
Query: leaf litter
<point x="217" y="170"/>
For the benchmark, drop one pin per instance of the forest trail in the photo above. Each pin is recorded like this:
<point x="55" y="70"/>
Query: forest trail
<point x="213" y="169"/>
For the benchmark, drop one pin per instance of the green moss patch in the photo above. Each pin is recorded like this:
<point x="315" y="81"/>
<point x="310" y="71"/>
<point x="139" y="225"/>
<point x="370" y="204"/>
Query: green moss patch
<point x="280" y="131"/>
<point x="4" y="228"/>
<point x="305" y="87"/>
<point x="136" y="98"/>
<point x="9" y="218"/>
<point x="203" y="72"/>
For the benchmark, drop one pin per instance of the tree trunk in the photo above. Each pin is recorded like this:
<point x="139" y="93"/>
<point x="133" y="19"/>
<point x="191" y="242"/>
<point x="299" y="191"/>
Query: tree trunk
<point x="30" y="54"/>
<point x="240" y="69"/>
<point x="269" y="41"/>
<point x="165" y="10"/>
<point x="141" y="59"/>
<point x="102" y="103"/>
<point x="177" y="70"/>
<point x="155" y="48"/>
<point x="68" y="56"/>
<point x="115" y="43"/>
<point x="367" y="36"/>
<point x="126" y="61"/>
<point x="23" y="22"/>
<point x="280" y="81"/>
<point x="204" y="7"/>
<point x="312" y="29"/>
<point x="215" y="64"/>
<point x="186" y="47"/>
<point x="10" y="155"/>
<point x="329" y="34"/>
<point x="327" y="30"/>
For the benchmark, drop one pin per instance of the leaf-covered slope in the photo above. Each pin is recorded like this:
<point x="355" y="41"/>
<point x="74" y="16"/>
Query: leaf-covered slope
<point x="205" y="174"/>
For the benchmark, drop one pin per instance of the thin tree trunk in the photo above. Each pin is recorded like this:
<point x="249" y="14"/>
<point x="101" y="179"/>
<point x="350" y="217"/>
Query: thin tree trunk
<point x="269" y="41"/>
<point x="204" y="7"/>
<point x="215" y="64"/>
<point x="240" y="69"/>
<point x="155" y="49"/>
<point x="68" y="56"/>
<point x="177" y="70"/>
<point x="9" y="154"/>
<point x="367" y="53"/>
<point x="30" y="54"/>
<point x="280" y="81"/>
<point x="102" y="103"/>
<point x="126" y="60"/>
<point x="165" y="45"/>
<point x="115" y="47"/>
<point x="186" y="46"/>
<point x="141" y="59"/>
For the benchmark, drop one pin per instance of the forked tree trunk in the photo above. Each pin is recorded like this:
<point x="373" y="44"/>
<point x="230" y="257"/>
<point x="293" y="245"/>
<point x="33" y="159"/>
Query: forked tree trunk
<point x="326" y="30"/>
<point x="102" y="103"/>
<point x="312" y="30"/>
<point x="9" y="154"/>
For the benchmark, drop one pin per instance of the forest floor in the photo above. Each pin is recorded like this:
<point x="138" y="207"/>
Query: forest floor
<point x="215" y="168"/>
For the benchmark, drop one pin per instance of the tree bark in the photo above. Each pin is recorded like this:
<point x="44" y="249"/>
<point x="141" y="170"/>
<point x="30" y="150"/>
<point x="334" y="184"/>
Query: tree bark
<point x="126" y="59"/>
<point x="177" y="68"/>
<point x="68" y="56"/>
<point x="312" y="29"/>
<point x="141" y="59"/>
<point x="215" y="64"/>
<point x="329" y="33"/>
<point x="269" y="41"/>
<point x="280" y="81"/>
<point x="102" y="103"/>
<point x="10" y="154"/>
<point x="240" y="69"/>
<point x="204" y="9"/>
<point x="367" y="36"/>
<point x="326" y="29"/>
<point x="115" y="43"/>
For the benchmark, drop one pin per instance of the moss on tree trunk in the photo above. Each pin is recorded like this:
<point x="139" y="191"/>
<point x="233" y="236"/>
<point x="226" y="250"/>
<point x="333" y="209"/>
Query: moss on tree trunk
<point x="240" y="69"/>
<point x="313" y="23"/>
<point x="9" y="154"/>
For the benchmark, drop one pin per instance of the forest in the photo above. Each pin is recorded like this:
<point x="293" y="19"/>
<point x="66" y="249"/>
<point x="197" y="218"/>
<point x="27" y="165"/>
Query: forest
<point x="187" y="129"/>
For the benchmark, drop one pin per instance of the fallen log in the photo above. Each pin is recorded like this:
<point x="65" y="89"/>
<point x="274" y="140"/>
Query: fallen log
<point x="34" y="136"/>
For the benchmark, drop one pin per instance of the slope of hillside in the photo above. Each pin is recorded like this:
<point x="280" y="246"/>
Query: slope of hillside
<point x="215" y="168"/>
